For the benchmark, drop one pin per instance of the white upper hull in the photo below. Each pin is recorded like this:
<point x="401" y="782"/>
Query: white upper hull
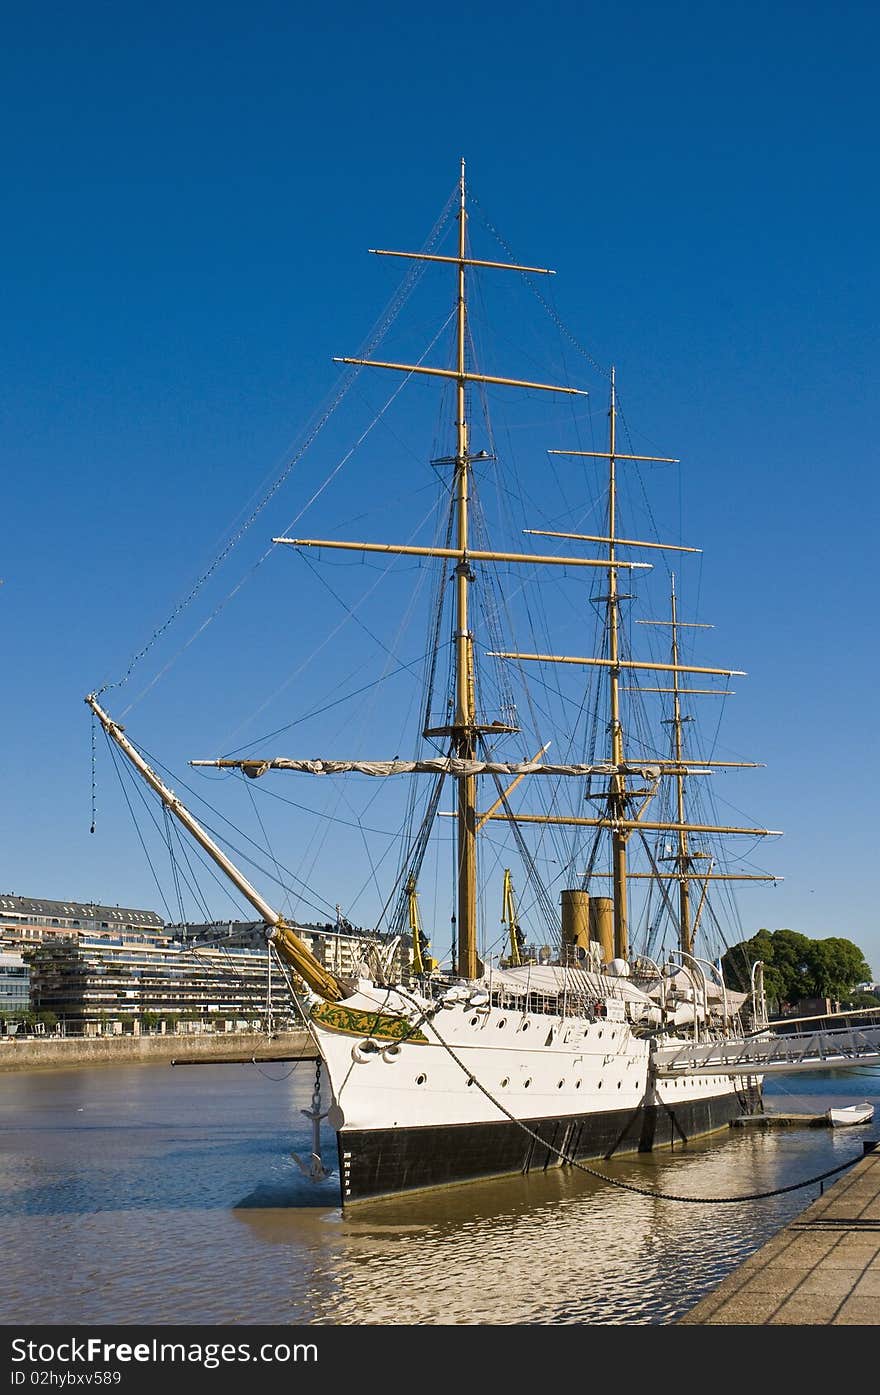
<point x="480" y="1065"/>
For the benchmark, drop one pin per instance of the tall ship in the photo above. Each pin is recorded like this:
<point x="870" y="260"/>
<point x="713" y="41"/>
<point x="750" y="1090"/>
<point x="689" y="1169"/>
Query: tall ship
<point x="597" y="1020"/>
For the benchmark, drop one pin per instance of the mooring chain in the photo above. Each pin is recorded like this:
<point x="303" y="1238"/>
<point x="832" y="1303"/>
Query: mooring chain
<point x="616" y="1181"/>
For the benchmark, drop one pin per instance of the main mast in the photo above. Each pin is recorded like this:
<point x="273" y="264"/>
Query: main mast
<point x="464" y="724"/>
<point x="617" y="792"/>
<point x="464" y="730"/>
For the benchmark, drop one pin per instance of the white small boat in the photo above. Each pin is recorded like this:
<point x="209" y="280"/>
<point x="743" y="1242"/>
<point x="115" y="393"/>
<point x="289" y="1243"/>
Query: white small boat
<point x="850" y="1114"/>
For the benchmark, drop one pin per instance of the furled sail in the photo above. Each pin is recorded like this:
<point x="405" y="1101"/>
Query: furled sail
<point x="439" y="765"/>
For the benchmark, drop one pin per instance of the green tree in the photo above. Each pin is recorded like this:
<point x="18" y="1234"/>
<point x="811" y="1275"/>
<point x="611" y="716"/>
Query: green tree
<point x="796" y="966"/>
<point x="862" y="1000"/>
<point x="836" y="966"/>
<point x="792" y="962"/>
<point x="737" y="965"/>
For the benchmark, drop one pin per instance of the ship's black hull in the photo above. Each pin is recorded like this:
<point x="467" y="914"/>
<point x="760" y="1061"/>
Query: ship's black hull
<point x="383" y="1162"/>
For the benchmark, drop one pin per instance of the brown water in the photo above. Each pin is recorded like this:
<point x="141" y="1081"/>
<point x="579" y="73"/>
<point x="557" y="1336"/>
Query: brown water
<point x="146" y="1194"/>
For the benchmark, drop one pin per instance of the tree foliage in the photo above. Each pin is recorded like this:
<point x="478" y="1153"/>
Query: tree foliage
<point x="797" y="967"/>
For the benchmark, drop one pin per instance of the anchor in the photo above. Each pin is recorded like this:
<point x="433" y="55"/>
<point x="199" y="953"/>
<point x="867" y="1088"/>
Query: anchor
<point x="314" y="1169"/>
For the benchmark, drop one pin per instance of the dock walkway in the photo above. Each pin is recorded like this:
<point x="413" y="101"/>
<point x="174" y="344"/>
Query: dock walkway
<point x="822" y="1269"/>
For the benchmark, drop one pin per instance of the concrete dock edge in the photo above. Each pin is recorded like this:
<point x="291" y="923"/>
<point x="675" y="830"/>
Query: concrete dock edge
<point x="822" y="1269"/>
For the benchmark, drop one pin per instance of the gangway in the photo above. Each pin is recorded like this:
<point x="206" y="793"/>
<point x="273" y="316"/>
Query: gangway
<point x="771" y="1053"/>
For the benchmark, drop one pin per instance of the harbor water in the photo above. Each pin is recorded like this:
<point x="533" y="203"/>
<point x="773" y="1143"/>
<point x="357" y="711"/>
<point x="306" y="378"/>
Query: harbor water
<point x="151" y="1194"/>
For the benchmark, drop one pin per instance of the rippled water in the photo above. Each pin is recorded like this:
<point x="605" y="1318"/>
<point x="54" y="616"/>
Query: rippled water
<point x="147" y="1194"/>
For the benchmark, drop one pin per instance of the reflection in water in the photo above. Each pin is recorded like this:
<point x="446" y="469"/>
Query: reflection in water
<point x="145" y="1194"/>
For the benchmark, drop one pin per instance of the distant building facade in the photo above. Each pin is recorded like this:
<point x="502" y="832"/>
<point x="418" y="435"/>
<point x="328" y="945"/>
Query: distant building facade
<point x="28" y="920"/>
<point x="346" y="952"/>
<point x="110" y="968"/>
<point x="96" y="983"/>
<point x="15" y="991"/>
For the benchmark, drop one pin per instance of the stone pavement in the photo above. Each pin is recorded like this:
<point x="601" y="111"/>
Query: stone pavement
<point x="822" y="1269"/>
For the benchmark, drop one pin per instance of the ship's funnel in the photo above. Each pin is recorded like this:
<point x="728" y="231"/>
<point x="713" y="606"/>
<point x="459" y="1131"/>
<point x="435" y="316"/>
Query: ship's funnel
<point x="576" y="919"/>
<point x="602" y="925"/>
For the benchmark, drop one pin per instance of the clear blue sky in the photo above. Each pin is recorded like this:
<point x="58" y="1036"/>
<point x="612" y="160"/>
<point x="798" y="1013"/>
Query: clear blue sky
<point x="189" y="194"/>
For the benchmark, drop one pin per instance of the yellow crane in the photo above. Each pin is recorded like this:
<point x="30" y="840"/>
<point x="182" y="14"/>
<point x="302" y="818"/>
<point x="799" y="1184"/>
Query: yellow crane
<point x="422" y="963"/>
<point x="510" y="919"/>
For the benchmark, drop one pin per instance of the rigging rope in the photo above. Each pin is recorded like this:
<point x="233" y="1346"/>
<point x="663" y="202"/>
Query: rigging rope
<point x="375" y="338"/>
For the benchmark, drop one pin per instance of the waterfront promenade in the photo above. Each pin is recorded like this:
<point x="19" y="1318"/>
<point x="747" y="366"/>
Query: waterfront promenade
<point x="50" y="1053"/>
<point x="822" y="1269"/>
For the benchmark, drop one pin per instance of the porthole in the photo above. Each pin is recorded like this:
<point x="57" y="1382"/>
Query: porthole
<point x="474" y="1021"/>
<point x="526" y="1084"/>
<point x="470" y="1081"/>
<point x="560" y="1085"/>
<point x="599" y="1085"/>
<point x="501" y="1021"/>
<point x="577" y="1084"/>
<point x="505" y="1082"/>
<point x="600" y="1036"/>
<point x="613" y="1035"/>
<point x="525" y="1026"/>
<point x="420" y="1079"/>
<point x="619" y="1083"/>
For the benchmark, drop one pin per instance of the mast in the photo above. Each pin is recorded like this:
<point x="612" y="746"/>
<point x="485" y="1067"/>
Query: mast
<point x="685" y="937"/>
<point x="617" y="791"/>
<point x="464" y="733"/>
<point x="617" y="819"/>
<point x="464" y="729"/>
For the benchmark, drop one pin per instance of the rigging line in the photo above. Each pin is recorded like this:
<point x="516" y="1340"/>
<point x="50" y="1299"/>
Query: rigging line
<point x="438" y="603"/>
<point x="167" y="817"/>
<point x="334" y="818"/>
<point x="247" y="576"/>
<point x="249" y="786"/>
<point x="420" y="847"/>
<point x="639" y="473"/>
<point x="373" y="869"/>
<point x="350" y="613"/>
<point x="417" y="456"/>
<point x="328" y="638"/>
<point x="412" y="865"/>
<point x="142" y="796"/>
<point x="722" y="706"/>
<point x="390" y="651"/>
<point x="405" y="379"/>
<point x="137" y="828"/>
<point x="317" y="711"/>
<point x="664" y="894"/>
<point x="542" y="897"/>
<point x="193" y="881"/>
<point x="376" y="336"/>
<point x="554" y="316"/>
<point x="617" y="1181"/>
<point x="241" y="833"/>
<point x="373" y="877"/>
